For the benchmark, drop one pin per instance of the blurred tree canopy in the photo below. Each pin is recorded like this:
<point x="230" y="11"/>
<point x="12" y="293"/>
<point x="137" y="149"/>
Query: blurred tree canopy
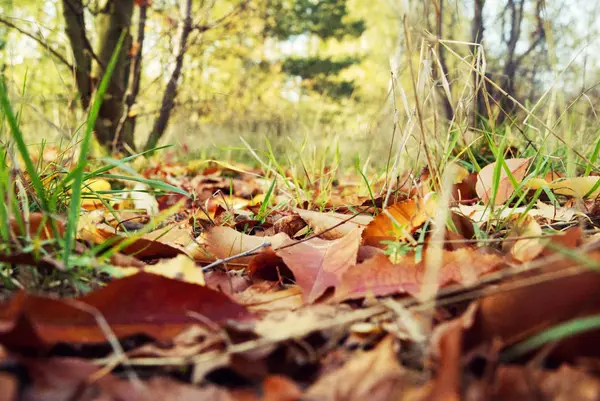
<point x="276" y="66"/>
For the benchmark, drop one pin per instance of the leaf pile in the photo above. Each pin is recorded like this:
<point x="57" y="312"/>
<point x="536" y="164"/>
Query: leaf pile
<point x="247" y="291"/>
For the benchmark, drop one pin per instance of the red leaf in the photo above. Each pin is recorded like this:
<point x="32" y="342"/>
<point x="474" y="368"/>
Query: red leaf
<point x="379" y="276"/>
<point x="318" y="264"/>
<point x="140" y="304"/>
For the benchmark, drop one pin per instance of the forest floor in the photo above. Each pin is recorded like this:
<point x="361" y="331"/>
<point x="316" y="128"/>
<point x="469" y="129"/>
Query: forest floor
<point x="218" y="281"/>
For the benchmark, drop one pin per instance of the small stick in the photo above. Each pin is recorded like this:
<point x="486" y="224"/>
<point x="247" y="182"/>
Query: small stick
<point x="239" y="255"/>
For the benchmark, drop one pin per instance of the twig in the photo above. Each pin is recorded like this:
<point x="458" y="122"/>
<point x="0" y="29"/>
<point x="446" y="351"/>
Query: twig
<point x="136" y="74"/>
<point x="315" y="235"/>
<point x="246" y="346"/>
<point x="239" y="255"/>
<point x="56" y="54"/>
<point x="119" y="353"/>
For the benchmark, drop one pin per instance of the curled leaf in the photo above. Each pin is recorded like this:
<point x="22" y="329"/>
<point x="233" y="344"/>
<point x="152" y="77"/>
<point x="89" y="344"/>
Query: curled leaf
<point x="485" y="180"/>
<point x="398" y="221"/>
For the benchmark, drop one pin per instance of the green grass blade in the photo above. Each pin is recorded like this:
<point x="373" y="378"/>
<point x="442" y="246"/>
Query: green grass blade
<point x="556" y="333"/>
<point x="21" y="146"/>
<point x="262" y="213"/>
<point x="74" y="209"/>
<point x="152" y="183"/>
<point x="593" y="158"/>
<point x="112" y="164"/>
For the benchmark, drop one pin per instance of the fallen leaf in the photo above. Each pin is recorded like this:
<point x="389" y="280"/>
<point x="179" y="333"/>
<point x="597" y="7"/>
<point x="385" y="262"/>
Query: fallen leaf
<point x="577" y="187"/>
<point x="378" y="276"/>
<point x="464" y="190"/>
<point x="398" y="221"/>
<point x="446" y="349"/>
<point x="140" y="304"/>
<point x="226" y="282"/>
<point x="280" y="388"/>
<point x="63" y="379"/>
<point x="524" y="383"/>
<point x="91" y="198"/>
<point x="460" y="173"/>
<point x="265" y="296"/>
<point x="223" y="242"/>
<point x="553" y="213"/>
<point x="372" y="375"/>
<point x="318" y="264"/>
<point x="485" y="180"/>
<point x="324" y="222"/>
<point x="37" y="225"/>
<point x="166" y="242"/>
<point x="180" y="268"/>
<point x="516" y="312"/>
<point x="285" y="324"/>
<point x="525" y="249"/>
<point x="289" y="225"/>
<point x="143" y="199"/>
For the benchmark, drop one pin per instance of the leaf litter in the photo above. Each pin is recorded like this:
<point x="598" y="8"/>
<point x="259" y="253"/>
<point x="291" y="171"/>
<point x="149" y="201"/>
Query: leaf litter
<point x="240" y="293"/>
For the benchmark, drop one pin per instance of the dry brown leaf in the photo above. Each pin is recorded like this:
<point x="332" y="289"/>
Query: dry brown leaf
<point x="372" y="375"/>
<point x="62" y="379"/>
<point x="318" y="264"/>
<point x="525" y="249"/>
<point x="285" y="324"/>
<point x="464" y="190"/>
<point x="525" y="383"/>
<point x="166" y="242"/>
<point x="265" y="296"/>
<point x="37" y="225"/>
<point x="223" y="242"/>
<point x="517" y="312"/>
<point x="485" y="180"/>
<point x="323" y="222"/>
<point x="378" y="276"/>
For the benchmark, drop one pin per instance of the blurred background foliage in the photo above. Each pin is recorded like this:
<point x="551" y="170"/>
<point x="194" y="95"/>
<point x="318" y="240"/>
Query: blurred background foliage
<point x="347" y="71"/>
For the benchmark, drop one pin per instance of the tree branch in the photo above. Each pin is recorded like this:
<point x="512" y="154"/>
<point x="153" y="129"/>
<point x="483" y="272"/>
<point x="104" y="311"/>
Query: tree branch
<point x="88" y="46"/>
<point x="207" y="27"/>
<point x="168" y="101"/>
<point x="136" y="75"/>
<point x="40" y="40"/>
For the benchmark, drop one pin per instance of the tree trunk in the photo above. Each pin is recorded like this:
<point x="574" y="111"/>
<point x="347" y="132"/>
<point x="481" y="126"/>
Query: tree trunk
<point x="477" y="30"/>
<point x="441" y="51"/>
<point x="75" y="30"/>
<point x="113" y="19"/>
<point x="126" y="127"/>
<point x="168" y="101"/>
<point x="510" y="65"/>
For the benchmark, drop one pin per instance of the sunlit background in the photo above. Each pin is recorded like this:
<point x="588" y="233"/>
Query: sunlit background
<point x="307" y="74"/>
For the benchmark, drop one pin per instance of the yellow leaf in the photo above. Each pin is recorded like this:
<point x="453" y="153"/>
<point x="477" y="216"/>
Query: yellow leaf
<point x="537" y="183"/>
<point x="526" y="248"/>
<point x="180" y="268"/>
<point x="576" y="187"/>
<point x="460" y="173"/>
<point x="90" y="200"/>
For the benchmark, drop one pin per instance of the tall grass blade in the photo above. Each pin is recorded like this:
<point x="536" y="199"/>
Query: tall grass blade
<point x="74" y="209"/>
<point x="556" y="333"/>
<point x="21" y="146"/>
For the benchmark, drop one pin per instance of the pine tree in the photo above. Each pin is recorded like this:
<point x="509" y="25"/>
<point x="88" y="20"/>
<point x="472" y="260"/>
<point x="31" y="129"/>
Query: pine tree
<point x="325" y="19"/>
